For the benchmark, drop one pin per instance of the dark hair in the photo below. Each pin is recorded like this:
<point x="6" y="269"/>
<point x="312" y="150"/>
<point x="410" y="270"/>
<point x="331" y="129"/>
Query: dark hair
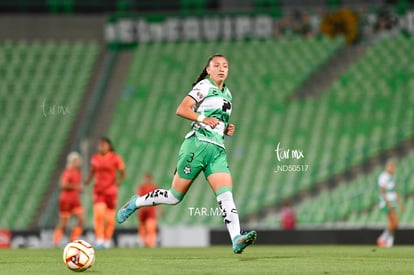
<point x="107" y="140"/>
<point x="204" y="73"/>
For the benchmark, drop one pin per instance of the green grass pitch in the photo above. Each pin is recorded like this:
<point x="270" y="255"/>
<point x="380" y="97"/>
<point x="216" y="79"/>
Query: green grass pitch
<point x="221" y="260"/>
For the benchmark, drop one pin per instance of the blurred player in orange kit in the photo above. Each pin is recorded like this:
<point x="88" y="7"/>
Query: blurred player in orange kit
<point x="69" y="202"/>
<point x="288" y="216"/>
<point x="147" y="216"/>
<point x="105" y="166"/>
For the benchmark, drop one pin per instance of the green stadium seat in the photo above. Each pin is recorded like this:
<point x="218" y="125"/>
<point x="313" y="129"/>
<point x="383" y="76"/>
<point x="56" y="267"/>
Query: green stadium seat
<point x="34" y="143"/>
<point x="356" y="202"/>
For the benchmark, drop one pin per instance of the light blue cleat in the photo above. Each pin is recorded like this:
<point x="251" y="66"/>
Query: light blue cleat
<point x="240" y="242"/>
<point x="127" y="209"/>
<point x="99" y="246"/>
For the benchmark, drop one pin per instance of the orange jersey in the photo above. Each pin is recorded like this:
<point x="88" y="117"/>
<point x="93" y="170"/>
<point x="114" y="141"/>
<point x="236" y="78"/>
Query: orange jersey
<point x="69" y="198"/>
<point x="106" y="168"/>
<point x="73" y="176"/>
<point x="146" y="212"/>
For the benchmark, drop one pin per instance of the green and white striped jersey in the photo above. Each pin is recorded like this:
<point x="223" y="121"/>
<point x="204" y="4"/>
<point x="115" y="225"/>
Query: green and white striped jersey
<point x="211" y="102"/>
<point x="387" y="181"/>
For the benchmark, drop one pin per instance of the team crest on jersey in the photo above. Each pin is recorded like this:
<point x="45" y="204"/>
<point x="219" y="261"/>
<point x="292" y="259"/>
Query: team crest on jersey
<point x="187" y="169"/>
<point x="199" y="95"/>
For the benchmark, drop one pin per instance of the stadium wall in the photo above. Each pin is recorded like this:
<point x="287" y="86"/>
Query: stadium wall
<point x="317" y="237"/>
<point x="57" y="27"/>
<point x="201" y="237"/>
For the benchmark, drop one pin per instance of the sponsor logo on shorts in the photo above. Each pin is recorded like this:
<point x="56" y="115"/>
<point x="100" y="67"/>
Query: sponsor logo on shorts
<point x="187" y="169"/>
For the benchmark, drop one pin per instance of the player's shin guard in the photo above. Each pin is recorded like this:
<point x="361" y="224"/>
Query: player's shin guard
<point x="160" y="196"/>
<point x="228" y="210"/>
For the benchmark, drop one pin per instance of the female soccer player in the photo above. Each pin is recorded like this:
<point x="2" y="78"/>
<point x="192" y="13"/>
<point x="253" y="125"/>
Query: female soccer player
<point x="389" y="201"/>
<point x="147" y="216"/>
<point x="105" y="166"/>
<point x="209" y="106"/>
<point x="69" y="202"/>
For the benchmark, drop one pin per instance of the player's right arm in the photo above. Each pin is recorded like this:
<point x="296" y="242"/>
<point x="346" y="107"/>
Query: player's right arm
<point x="185" y="110"/>
<point x="121" y="170"/>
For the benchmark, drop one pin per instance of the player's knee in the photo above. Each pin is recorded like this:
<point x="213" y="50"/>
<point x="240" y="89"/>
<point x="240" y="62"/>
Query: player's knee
<point x="63" y="224"/>
<point x="99" y="217"/>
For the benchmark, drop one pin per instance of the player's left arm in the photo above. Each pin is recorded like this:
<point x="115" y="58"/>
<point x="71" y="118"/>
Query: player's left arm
<point x="121" y="176"/>
<point x="121" y="171"/>
<point x="230" y="129"/>
<point x="400" y="203"/>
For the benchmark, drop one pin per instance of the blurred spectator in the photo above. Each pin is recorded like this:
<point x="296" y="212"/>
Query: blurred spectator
<point x="296" y="23"/>
<point x="342" y="22"/>
<point x="301" y="24"/>
<point x="385" y="21"/>
<point x="284" y="26"/>
<point x="288" y="216"/>
<point x="386" y="24"/>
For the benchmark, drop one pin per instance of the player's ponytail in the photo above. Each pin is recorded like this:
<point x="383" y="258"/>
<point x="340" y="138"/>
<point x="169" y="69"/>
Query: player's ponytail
<point x="201" y="76"/>
<point x="204" y="73"/>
